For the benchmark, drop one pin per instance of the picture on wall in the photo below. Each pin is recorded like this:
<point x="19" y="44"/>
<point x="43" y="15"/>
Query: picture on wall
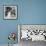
<point x="10" y="12"/>
<point x="33" y="32"/>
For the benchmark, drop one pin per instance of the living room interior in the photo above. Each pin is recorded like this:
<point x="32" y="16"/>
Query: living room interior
<point x="29" y="12"/>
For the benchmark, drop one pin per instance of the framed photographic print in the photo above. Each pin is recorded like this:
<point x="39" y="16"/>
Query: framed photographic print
<point x="32" y="32"/>
<point x="10" y="12"/>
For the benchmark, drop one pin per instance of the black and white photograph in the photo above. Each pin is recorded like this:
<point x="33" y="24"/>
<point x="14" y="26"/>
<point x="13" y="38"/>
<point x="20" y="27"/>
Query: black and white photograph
<point x="33" y="32"/>
<point x="10" y="12"/>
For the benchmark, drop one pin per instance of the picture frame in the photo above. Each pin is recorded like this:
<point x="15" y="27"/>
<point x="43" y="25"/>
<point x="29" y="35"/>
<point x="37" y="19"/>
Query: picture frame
<point x="33" y="31"/>
<point x="10" y="12"/>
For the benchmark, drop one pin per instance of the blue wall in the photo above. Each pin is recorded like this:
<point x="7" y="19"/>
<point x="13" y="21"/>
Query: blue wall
<point x="29" y="12"/>
<point x="33" y="12"/>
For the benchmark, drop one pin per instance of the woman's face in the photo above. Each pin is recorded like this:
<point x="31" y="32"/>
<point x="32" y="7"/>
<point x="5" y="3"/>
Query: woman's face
<point x="8" y="9"/>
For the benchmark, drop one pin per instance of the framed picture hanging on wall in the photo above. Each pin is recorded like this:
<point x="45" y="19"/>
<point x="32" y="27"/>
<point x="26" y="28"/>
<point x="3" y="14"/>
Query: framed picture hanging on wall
<point x="10" y="12"/>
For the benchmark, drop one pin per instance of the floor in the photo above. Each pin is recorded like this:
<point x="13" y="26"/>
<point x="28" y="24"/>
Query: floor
<point x="30" y="43"/>
<point x="7" y="45"/>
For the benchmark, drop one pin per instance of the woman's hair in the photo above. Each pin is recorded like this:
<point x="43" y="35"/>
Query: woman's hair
<point x="7" y="10"/>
